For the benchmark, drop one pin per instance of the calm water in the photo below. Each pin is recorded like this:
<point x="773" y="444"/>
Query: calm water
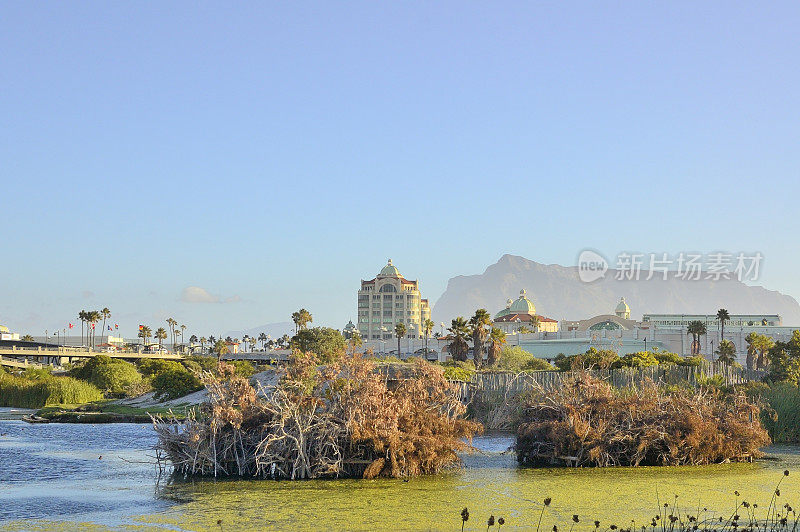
<point x="53" y="477"/>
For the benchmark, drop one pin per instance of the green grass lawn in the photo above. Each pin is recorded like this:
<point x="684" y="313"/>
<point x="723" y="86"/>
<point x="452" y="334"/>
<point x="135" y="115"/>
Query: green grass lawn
<point x="106" y="411"/>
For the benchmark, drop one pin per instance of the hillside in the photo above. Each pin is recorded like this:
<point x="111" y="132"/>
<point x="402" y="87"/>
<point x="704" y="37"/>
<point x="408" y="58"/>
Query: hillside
<point x="559" y="294"/>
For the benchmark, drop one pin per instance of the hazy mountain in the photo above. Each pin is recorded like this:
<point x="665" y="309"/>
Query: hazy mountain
<point x="276" y="330"/>
<point x="559" y="294"/>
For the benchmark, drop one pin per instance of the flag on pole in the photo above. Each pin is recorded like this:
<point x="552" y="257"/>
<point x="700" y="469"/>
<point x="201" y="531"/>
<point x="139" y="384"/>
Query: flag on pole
<point x="116" y="325"/>
<point x="71" y="326"/>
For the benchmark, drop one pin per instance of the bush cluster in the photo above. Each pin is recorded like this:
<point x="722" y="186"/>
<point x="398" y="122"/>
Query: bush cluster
<point x="608" y="359"/>
<point x="108" y="374"/>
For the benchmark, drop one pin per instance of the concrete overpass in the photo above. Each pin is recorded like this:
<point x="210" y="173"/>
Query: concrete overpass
<point x="25" y="357"/>
<point x="275" y="356"/>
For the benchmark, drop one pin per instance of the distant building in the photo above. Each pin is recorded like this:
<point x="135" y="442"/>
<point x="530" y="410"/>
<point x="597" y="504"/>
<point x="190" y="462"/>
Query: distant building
<point x="619" y="320"/>
<point x="679" y="321"/>
<point x="6" y="334"/>
<point x="521" y="313"/>
<point x="387" y="300"/>
<point x="349" y="330"/>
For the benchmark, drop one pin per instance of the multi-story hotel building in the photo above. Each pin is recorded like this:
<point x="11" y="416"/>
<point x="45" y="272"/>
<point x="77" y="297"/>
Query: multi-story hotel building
<point x="387" y="300"/>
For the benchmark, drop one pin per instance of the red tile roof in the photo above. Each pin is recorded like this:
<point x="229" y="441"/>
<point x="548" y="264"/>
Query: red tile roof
<point x="523" y="317"/>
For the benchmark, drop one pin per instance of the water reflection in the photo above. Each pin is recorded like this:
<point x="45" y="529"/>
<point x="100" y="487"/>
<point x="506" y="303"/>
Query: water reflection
<point x="104" y="475"/>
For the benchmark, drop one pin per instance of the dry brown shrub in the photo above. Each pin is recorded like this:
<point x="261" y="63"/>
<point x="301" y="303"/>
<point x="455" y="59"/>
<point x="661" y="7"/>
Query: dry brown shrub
<point x="346" y="419"/>
<point x="587" y="422"/>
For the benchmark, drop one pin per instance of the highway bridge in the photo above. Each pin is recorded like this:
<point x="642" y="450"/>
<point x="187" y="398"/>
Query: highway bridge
<point x="30" y="357"/>
<point x="25" y="357"/>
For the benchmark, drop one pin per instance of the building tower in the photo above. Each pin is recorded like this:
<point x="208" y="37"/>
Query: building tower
<point x="623" y="310"/>
<point x="387" y="300"/>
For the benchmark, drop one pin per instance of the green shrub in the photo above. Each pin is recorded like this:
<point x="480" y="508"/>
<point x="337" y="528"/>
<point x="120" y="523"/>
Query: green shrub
<point x="110" y="375"/>
<point x="666" y="358"/>
<point x="154" y="366"/>
<point x="243" y="368"/>
<point x="693" y="361"/>
<point x="641" y="359"/>
<point x="456" y="370"/>
<point x="206" y="363"/>
<point x="538" y="364"/>
<point x="172" y="384"/>
<point x="192" y="366"/>
<point x="592" y="358"/>
<point x="513" y="358"/>
<point x="328" y="344"/>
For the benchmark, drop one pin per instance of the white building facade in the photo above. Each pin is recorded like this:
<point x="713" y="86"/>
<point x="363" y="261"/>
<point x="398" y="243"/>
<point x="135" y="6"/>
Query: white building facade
<point x="387" y="300"/>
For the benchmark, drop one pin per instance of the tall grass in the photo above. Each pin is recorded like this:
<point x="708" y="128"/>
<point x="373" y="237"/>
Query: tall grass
<point x="783" y="423"/>
<point x="24" y="392"/>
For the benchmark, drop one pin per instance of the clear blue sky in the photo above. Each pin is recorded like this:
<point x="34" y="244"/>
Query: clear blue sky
<point x="273" y="154"/>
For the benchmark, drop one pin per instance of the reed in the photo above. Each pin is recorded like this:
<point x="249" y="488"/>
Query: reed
<point x="23" y="392"/>
<point x="782" y="421"/>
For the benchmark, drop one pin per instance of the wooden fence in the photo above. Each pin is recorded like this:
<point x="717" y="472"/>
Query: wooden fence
<point x="508" y="384"/>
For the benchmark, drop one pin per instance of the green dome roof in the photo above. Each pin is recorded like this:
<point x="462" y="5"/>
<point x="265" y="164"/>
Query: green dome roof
<point x="389" y="270"/>
<point x="505" y="311"/>
<point x="622" y="307"/>
<point x="523" y="305"/>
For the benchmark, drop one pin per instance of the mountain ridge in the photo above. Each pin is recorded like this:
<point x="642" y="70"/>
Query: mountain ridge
<point x="558" y="293"/>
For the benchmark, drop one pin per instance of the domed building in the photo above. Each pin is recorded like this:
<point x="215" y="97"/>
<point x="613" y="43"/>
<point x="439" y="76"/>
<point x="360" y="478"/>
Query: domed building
<point x="387" y="300"/>
<point x="349" y="330"/>
<point x="620" y="320"/>
<point x="522" y="313"/>
<point x="623" y="310"/>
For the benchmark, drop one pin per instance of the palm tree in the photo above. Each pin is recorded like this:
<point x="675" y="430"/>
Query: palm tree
<point x="263" y="339"/>
<point x="192" y="339"/>
<point x="203" y="344"/>
<point x="478" y="323"/>
<point x="697" y="329"/>
<point x="536" y="322"/>
<point x="94" y="317"/>
<point x="161" y="334"/>
<point x="172" y="323"/>
<point x="144" y="334"/>
<point x="427" y="327"/>
<point x="752" y="351"/>
<point x="399" y="331"/>
<point x="459" y="332"/>
<point x="763" y="344"/>
<point x="253" y="342"/>
<point x="82" y="318"/>
<point x="106" y="313"/>
<point x="722" y="316"/>
<point x="220" y="348"/>
<point x="496" y="340"/>
<point x="726" y="352"/>
<point x="183" y="329"/>
<point x="301" y="319"/>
